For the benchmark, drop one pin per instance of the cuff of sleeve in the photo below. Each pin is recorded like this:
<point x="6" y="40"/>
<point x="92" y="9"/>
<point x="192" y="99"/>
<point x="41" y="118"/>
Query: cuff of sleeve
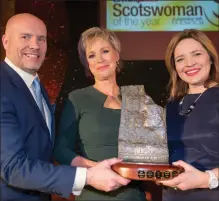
<point x="80" y="180"/>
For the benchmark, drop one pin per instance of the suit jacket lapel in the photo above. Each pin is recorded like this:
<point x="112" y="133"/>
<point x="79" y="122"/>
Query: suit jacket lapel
<point x="19" y="83"/>
<point x="51" y="109"/>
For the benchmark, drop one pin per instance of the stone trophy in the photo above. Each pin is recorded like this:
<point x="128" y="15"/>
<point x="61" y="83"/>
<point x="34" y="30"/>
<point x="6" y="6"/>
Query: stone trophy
<point x="142" y="141"/>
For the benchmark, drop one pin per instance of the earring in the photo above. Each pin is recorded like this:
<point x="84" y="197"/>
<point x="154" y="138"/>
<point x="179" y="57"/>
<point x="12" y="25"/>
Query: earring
<point x="117" y="63"/>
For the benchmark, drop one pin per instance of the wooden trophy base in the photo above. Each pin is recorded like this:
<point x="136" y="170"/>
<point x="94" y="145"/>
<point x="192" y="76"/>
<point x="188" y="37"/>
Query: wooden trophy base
<point x="147" y="171"/>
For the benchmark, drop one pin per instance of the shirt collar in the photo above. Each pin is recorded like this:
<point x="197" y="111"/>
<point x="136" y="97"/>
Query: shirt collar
<point x="28" y="78"/>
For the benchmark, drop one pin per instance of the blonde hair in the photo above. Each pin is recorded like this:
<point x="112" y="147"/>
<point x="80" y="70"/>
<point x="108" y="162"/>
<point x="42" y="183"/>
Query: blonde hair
<point x="91" y="34"/>
<point x="179" y="88"/>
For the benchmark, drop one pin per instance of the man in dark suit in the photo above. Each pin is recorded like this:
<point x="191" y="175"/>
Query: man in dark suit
<point x="27" y="124"/>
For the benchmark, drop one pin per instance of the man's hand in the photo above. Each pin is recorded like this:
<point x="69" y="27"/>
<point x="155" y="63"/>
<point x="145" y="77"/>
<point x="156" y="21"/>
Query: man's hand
<point x="102" y="177"/>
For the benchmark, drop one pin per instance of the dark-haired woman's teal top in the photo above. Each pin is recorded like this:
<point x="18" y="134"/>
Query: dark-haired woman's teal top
<point x="90" y="130"/>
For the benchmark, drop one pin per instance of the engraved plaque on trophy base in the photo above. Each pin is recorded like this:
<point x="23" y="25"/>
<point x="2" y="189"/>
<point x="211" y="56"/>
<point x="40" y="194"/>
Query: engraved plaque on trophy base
<point x="146" y="171"/>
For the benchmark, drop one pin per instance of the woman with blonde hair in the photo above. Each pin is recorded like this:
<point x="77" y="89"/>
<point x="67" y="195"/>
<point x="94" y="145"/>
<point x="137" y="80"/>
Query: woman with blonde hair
<point x="90" y="120"/>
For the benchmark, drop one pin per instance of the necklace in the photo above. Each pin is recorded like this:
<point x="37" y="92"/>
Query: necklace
<point x="191" y="107"/>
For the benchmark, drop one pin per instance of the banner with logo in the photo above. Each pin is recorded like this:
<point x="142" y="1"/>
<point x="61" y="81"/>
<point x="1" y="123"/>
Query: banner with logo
<point x="140" y="15"/>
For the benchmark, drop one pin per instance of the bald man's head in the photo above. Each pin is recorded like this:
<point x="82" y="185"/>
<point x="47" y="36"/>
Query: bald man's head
<point x="25" y="41"/>
<point x="21" y="18"/>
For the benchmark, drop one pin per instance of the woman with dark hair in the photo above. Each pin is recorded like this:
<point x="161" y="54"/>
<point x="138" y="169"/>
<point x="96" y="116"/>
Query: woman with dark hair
<point x="193" y="117"/>
<point x="90" y="120"/>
